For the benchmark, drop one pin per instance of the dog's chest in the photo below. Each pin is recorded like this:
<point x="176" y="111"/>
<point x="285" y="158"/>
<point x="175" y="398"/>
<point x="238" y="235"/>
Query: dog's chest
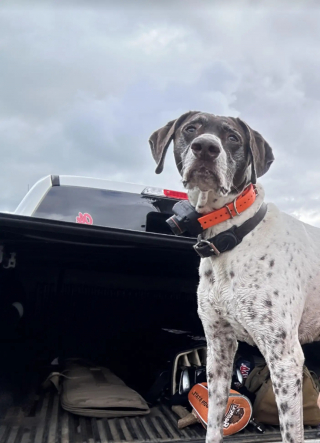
<point x="269" y="281"/>
<point x="219" y="293"/>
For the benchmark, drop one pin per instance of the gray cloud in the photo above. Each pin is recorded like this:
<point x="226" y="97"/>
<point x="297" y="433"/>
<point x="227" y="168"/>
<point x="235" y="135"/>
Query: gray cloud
<point x="82" y="88"/>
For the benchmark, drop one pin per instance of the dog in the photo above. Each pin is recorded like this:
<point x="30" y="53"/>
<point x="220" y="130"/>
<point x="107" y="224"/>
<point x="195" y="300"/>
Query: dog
<point x="264" y="291"/>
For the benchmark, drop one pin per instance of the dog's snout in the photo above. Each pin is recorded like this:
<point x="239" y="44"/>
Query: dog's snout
<point x="206" y="148"/>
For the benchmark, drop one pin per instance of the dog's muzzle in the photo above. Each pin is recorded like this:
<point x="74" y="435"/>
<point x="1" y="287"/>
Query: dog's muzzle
<point x="206" y="147"/>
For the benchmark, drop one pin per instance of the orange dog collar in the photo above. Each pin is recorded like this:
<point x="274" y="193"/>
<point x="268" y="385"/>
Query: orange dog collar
<point x="239" y="205"/>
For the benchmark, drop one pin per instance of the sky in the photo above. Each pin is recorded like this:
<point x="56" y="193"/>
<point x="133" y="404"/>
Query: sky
<point x="84" y="84"/>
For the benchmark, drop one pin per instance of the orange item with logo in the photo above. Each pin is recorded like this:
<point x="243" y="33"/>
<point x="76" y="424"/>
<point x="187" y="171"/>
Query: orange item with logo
<point x="238" y="411"/>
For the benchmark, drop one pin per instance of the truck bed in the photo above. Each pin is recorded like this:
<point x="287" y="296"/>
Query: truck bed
<point x="74" y="282"/>
<point x="39" y="418"/>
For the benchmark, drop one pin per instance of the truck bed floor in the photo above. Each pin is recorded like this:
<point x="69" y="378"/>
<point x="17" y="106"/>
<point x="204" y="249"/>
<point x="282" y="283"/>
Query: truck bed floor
<point x="44" y="421"/>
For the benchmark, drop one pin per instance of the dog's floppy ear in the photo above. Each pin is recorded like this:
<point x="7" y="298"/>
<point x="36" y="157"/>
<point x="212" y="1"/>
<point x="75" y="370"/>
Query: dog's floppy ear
<point x="161" y="139"/>
<point x="261" y="151"/>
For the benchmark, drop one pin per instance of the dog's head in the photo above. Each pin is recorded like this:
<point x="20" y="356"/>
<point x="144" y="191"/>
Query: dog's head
<point x="213" y="153"/>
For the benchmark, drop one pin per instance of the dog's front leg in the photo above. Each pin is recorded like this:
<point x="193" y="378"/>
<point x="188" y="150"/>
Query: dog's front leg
<point x="285" y="359"/>
<point x="222" y="346"/>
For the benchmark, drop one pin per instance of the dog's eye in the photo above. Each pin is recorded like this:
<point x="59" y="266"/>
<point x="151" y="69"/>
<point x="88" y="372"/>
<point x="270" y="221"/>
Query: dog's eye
<point x="233" y="138"/>
<point x="190" y="129"/>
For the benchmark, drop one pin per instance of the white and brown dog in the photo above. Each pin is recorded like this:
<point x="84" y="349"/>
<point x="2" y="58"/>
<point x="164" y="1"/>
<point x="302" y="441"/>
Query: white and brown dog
<point x="265" y="291"/>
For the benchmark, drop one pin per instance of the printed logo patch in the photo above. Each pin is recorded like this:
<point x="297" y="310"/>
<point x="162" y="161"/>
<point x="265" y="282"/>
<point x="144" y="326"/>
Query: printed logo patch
<point x="233" y="416"/>
<point x="85" y="218"/>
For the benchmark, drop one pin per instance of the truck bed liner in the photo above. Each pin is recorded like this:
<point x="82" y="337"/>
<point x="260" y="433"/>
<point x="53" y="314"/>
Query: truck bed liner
<point x="44" y="421"/>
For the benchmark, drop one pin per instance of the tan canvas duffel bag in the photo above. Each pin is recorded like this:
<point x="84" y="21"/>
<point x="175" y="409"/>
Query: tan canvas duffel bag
<point x="94" y="391"/>
<point x="265" y="408"/>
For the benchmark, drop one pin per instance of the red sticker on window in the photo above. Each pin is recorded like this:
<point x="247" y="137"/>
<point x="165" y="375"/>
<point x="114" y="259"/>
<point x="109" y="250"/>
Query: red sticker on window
<point x="85" y="219"/>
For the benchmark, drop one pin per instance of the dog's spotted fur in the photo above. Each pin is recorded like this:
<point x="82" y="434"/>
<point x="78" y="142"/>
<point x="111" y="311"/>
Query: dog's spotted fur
<point x="263" y="292"/>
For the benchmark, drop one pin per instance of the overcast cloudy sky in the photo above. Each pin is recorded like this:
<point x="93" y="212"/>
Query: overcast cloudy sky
<point x="82" y="87"/>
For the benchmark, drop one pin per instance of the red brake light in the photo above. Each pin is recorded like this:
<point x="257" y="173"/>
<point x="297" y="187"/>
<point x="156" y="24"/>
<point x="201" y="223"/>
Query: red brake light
<point x="175" y="194"/>
<point x="165" y="193"/>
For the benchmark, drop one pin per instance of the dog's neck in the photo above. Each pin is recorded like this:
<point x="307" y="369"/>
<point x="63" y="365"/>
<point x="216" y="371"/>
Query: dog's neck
<point x="207" y="202"/>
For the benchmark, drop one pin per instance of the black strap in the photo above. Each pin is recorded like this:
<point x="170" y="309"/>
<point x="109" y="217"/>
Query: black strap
<point x="227" y="240"/>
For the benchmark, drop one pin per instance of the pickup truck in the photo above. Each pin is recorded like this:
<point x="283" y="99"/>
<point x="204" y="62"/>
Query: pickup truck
<point x="96" y="274"/>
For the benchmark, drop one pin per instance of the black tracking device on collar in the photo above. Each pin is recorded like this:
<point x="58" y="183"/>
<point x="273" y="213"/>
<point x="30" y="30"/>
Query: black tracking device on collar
<point x="185" y="219"/>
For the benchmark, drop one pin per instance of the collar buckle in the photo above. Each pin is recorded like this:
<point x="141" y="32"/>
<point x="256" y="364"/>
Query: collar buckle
<point x="229" y="239"/>
<point x="205" y="248"/>
<point x="235" y="206"/>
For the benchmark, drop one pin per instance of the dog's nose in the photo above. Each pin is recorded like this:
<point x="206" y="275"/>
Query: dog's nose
<point x="206" y="148"/>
